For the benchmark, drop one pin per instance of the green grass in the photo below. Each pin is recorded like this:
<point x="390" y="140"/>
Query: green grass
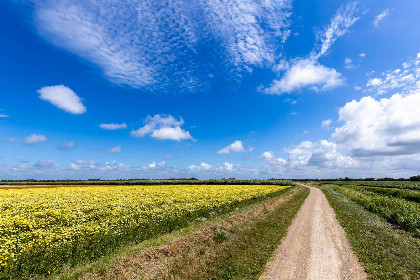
<point x="400" y="212"/>
<point x="409" y="195"/>
<point x="247" y="248"/>
<point x="387" y="252"/>
<point x="383" y="184"/>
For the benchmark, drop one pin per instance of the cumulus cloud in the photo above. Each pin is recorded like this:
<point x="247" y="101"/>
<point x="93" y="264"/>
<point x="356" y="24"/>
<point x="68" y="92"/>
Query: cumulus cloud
<point x="326" y="123"/>
<point x="235" y="147"/>
<point x="163" y="127"/>
<point x="154" y="164"/>
<point x="63" y="98"/>
<point x="318" y="154"/>
<point x="268" y="155"/>
<point x="113" y="126"/>
<point x="115" y="150"/>
<point x="389" y="126"/>
<point x="362" y="55"/>
<point x="305" y="73"/>
<point x="34" y="139"/>
<point x="156" y="46"/>
<point x="82" y="164"/>
<point x="202" y="167"/>
<point x="400" y="80"/>
<point x="4" y="116"/>
<point x="67" y="146"/>
<point x="380" y="17"/>
<point x="375" y="138"/>
<point x="270" y="158"/>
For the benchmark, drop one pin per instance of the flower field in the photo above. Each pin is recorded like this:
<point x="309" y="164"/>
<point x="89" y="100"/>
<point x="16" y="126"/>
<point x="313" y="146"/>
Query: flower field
<point x="44" y="229"/>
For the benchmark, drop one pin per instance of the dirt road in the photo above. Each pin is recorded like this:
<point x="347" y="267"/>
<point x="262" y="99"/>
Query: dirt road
<point x="315" y="246"/>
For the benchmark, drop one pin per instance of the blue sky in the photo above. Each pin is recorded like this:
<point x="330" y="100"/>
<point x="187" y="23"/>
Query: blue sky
<point x="245" y="89"/>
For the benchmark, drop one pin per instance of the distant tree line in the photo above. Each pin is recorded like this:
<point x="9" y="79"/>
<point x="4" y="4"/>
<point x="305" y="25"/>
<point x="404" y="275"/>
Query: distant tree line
<point x="191" y="181"/>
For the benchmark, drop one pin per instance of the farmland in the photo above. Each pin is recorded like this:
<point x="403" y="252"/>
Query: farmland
<point x="382" y="221"/>
<point x="67" y="225"/>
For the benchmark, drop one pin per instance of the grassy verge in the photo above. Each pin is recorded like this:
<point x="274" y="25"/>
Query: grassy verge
<point x="400" y="212"/>
<point x="242" y="251"/>
<point x="204" y="250"/>
<point x="387" y="253"/>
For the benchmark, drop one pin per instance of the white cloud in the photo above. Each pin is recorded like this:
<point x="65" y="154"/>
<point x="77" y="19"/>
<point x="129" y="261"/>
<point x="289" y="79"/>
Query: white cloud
<point x="362" y="55"/>
<point x="318" y="154"/>
<point x="291" y="101"/>
<point x="374" y="82"/>
<point x="235" y="147"/>
<point x="115" y="150"/>
<point x="113" y="166"/>
<point x="206" y="166"/>
<point x="163" y="127"/>
<point x="4" y="116"/>
<point x="348" y="63"/>
<point x="397" y="80"/>
<point x="268" y="155"/>
<point x="113" y="126"/>
<point x="154" y="164"/>
<point x="308" y="72"/>
<point x="45" y="164"/>
<point x="376" y="138"/>
<point x="380" y="17"/>
<point x="82" y="165"/>
<point x="202" y="167"/>
<point x="340" y="25"/>
<point x="389" y="126"/>
<point x="67" y="146"/>
<point x="153" y="45"/>
<point x="228" y="166"/>
<point x="285" y="35"/>
<point x="305" y="73"/>
<point x="63" y="98"/>
<point x="34" y="139"/>
<point x="326" y="123"/>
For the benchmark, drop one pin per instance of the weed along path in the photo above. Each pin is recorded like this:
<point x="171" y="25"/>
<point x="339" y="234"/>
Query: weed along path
<point x="315" y="246"/>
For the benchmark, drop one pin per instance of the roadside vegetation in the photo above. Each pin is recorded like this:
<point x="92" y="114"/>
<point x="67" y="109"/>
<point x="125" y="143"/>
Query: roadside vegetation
<point x="382" y="224"/>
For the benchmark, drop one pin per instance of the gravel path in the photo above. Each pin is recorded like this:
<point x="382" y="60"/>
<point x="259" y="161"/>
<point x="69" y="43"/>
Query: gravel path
<point x="315" y="246"/>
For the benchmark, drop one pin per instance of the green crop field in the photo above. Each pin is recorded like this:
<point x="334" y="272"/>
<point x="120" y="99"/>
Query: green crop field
<point x="382" y="221"/>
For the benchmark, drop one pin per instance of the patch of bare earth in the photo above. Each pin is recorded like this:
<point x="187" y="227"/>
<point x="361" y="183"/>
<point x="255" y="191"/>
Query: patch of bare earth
<point x="156" y="262"/>
<point x="315" y="246"/>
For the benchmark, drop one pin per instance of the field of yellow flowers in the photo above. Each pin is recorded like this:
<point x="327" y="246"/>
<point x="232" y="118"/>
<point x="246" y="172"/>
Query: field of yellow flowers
<point x="44" y="229"/>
